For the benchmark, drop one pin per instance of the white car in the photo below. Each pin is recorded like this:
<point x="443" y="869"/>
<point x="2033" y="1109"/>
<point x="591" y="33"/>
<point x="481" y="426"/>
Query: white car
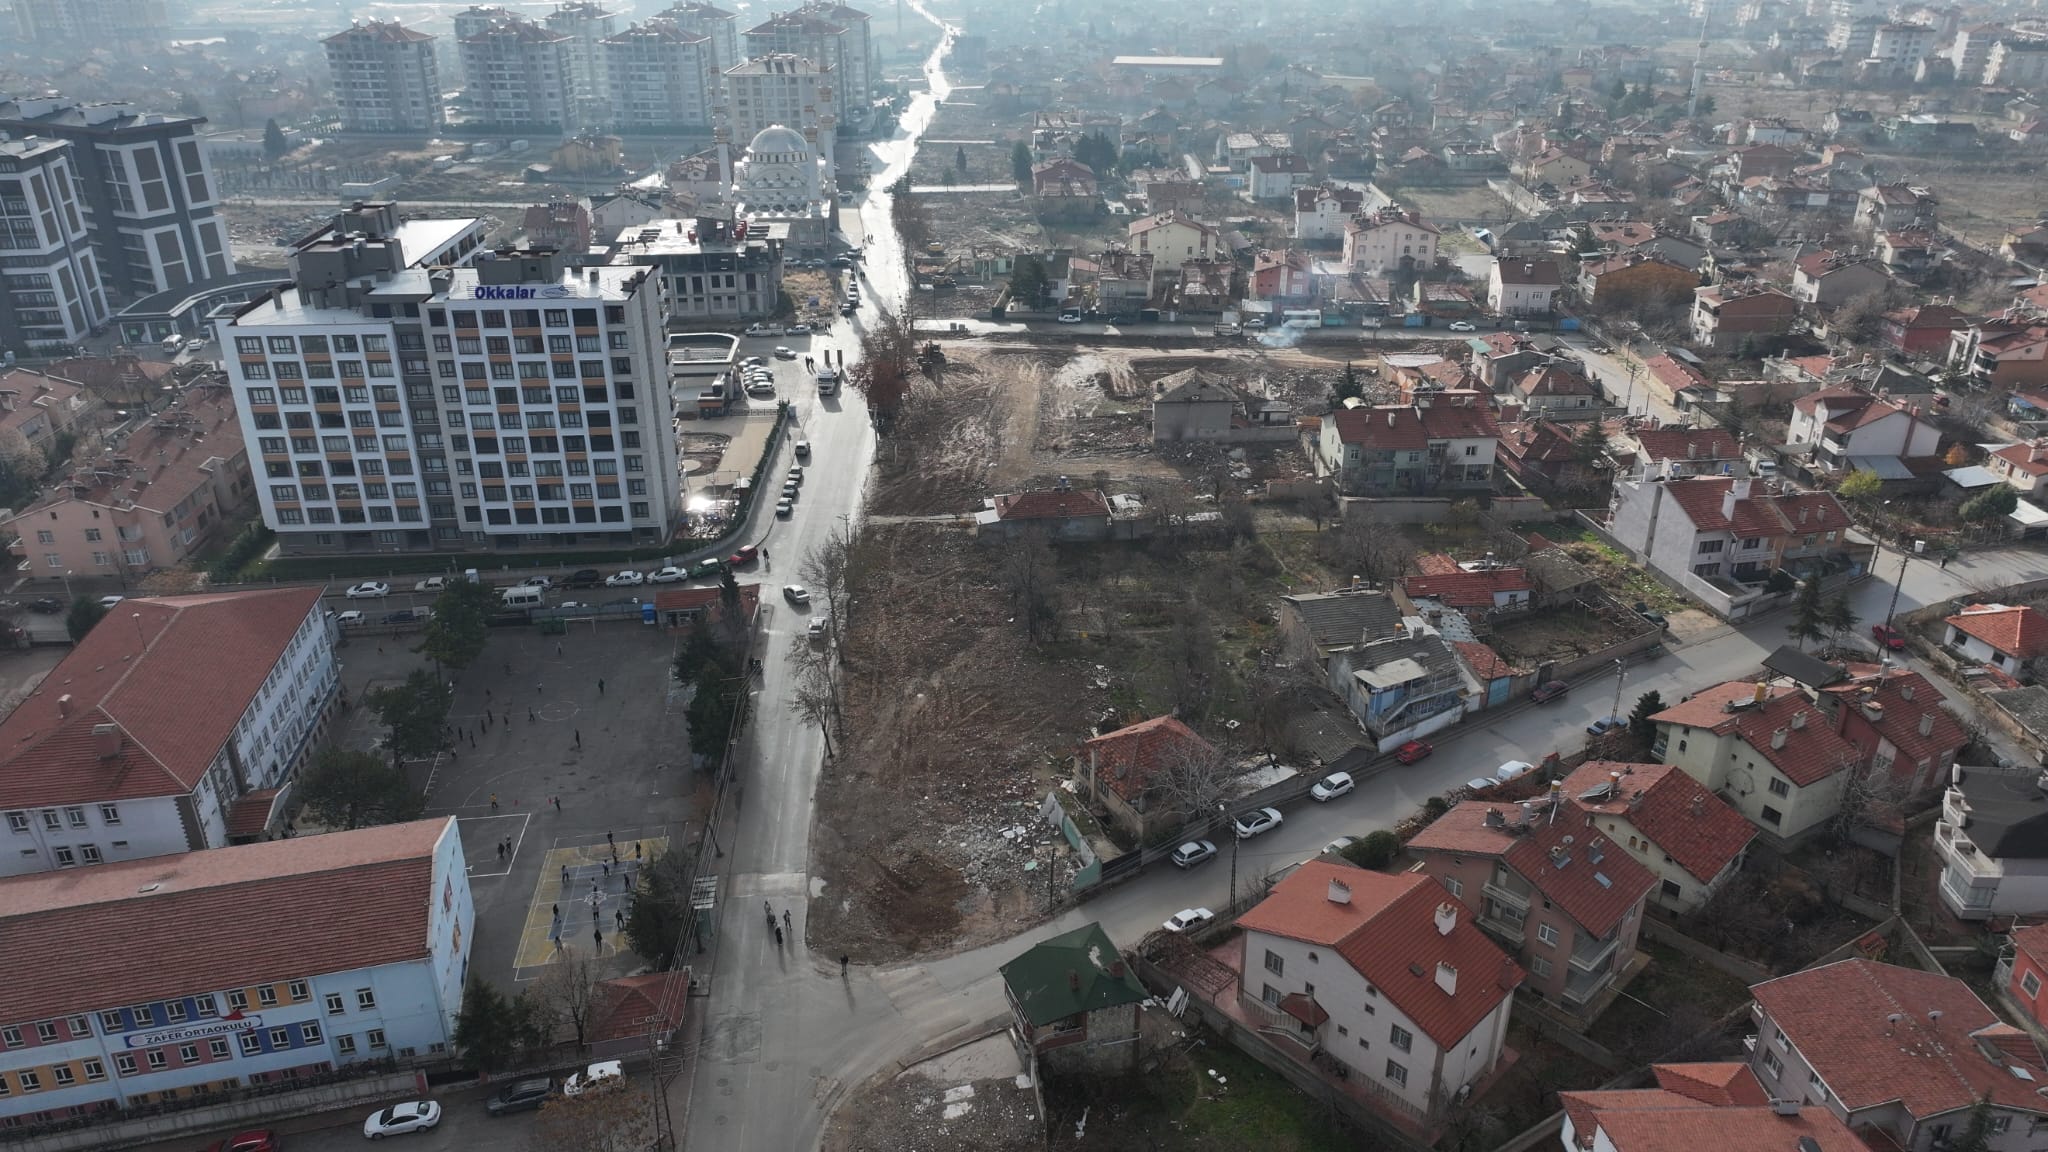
<point x="598" y="1075"/>
<point x="369" y="590"/>
<point x="796" y="594"/>
<point x="1462" y="326"/>
<point x="764" y="329"/>
<point x="1188" y="918"/>
<point x="195" y="345"/>
<point x="784" y="352"/>
<point x="1513" y="770"/>
<point x="626" y="579"/>
<point x="1192" y="853"/>
<point x="1252" y="823"/>
<point x="431" y="584"/>
<point x="349" y="619"/>
<point x="411" y="1116"/>
<point x="799" y="330"/>
<point x="669" y="575"/>
<point x="110" y="601"/>
<point x="1070" y="317"/>
<point x="760" y="387"/>
<point x="803" y="449"/>
<point x="1481" y="783"/>
<point x="753" y="362"/>
<point x="1330" y="787"/>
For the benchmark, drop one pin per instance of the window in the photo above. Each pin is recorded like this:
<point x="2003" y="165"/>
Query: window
<point x="66" y="858"/>
<point x="1771" y="1062"/>
<point x="1780" y="787"/>
<point x="1275" y="963"/>
<point x="17" y="821"/>
<point x="1547" y="933"/>
<point x="1397" y="1073"/>
<point x="110" y="814"/>
<point x="217" y="1048"/>
<point x="266" y="996"/>
<point x="174" y="1011"/>
<point x="110" y="1021"/>
<point x="309" y="1032"/>
<point x="31" y="1082"/>
<point x="78" y="1026"/>
<point x="1400" y="1038"/>
<point x="75" y="817"/>
<point x="144" y="1015"/>
<point x="345" y="1044"/>
<point x="156" y="1060"/>
<point x="252" y="1044"/>
<point x="334" y="1004"/>
<point x="1707" y="547"/>
<point x="1539" y="965"/>
<point x="2031" y="984"/>
<point x="238" y="1000"/>
<point x="124" y="1064"/>
<point x="46" y="1031"/>
<point x="207" y="1008"/>
<point x="94" y="1070"/>
<point x="1671" y="890"/>
<point x="375" y="1036"/>
<point x="1772" y="815"/>
<point x="64" y="1076"/>
<point x="280" y="1037"/>
<point x="366" y="1001"/>
<point x="10" y="1036"/>
<point x="188" y="1053"/>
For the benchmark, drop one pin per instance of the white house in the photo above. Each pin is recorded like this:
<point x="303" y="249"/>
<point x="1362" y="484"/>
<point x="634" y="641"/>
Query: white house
<point x="1388" y="976"/>
<point x="1766" y="749"/>
<point x="1688" y="838"/>
<point x="1835" y="425"/>
<point x="2023" y="466"/>
<point x="1276" y="177"/>
<point x="1522" y="287"/>
<point x="1993" y="841"/>
<point x="1719" y="538"/>
<point x="177" y="725"/>
<point x="1172" y="240"/>
<point x="1321" y="213"/>
<point x="1698" y="1106"/>
<point x="1389" y="241"/>
<point x="2003" y="636"/>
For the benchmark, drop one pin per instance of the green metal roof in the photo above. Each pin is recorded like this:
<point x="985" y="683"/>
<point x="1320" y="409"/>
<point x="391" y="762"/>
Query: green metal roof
<point x="1075" y="972"/>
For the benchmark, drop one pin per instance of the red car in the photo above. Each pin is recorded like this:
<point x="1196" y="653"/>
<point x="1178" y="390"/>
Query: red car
<point x="745" y="555"/>
<point x="1414" y="750"/>
<point x="1550" y="691"/>
<point x="1889" y="636"/>
<point x="258" y="1140"/>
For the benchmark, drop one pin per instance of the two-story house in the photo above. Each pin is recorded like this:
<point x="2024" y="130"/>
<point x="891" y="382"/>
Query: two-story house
<point x="1558" y="893"/>
<point x="1905" y="1053"/>
<point x="1721" y="539"/>
<point x="1894" y="207"/>
<point x="1688" y="838"/>
<point x="176" y="725"/>
<point x="1076" y="1003"/>
<point x="1557" y="391"/>
<point x="2002" y="352"/>
<point x="1172" y="240"/>
<point x="1389" y="240"/>
<point x="2023" y="976"/>
<point x="1386" y="975"/>
<point x="1126" y="773"/>
<point x="1899" y="724"/>
<point x="1522" y="287"/>
<point x="1321" y="212"/>
<point x="1834" y="426"/>
<point x="2022" y="466"/>
<point x="1498" y="357"/>
<point x="1922" y="330"/>
<point x="1446" y="445"/>
<point x="1276" y="177"/>
<point x="1728" y="319"/>
<point x="1679" y="450"/>
<point x="1992" y="838"/>
<point x="1286" y="278"/>
<point x="1723" y="1106"/>
<point x="1401" y="687"/>
<point x="2006" y="637"/>
<point x="1631" y="279"/>
<point x="1829" y="279"/>
<point x="1766" y="749"/>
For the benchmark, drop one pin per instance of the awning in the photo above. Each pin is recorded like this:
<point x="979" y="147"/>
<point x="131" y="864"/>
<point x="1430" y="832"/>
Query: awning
<point x="2028" y="517"/>
<point x="1304" y="1008"/>
<point x="1973" y="476"/>
<point x="1886" y="467"/>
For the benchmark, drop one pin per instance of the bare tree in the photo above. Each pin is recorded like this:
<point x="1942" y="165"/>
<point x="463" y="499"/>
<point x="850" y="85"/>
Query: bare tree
<point x="1170" y="505"/>
<point x="887" y="369"/>
<point x="826" y="571"/>
<point x="816" y="696"/>
<point x="619" y="1118"/>
<point x="1280" y="692"/>
<point x="1189" y="777"/>
<point x="1030" y="572"/>
<point x="1189" y="653"/>
<point x="1871" y="798"/>
<point x="567" y="994"/>
<point x="1370" y="547"/>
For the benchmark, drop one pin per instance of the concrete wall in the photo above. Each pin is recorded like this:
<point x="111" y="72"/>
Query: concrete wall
<point x="1437" y="509"/>
<point x="250" y="1113"/>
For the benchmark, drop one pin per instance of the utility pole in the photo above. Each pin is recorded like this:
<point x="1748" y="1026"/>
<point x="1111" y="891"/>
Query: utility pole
<point x="1620" y="671"/>
<point x="1692" y="103"/>
<point x="1234" y="841"/>
<point x="1884" y="649"/>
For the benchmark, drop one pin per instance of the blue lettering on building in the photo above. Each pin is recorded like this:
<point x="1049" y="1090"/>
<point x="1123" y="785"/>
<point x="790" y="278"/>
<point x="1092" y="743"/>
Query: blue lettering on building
<point x="502" y="292"/>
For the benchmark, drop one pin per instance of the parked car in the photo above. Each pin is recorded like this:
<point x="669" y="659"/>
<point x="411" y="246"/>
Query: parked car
<point x="1462" y="326"/>
<point x="369" y="590"/>
<point x="584" y="578"/>
<point x="803" y="449"/>
<point x="816" y="631"/>
<point x="1413" y="751"/>
<point x="520" y="1095"/>
<point x="1340" y="843"/>
<point x="46" y="605"/>
<point x="1330" y="787"/>
<point x="431" y="584"/>
<point x="402" y="616"/>
<point x="796" y="474"/>
<point x="1070" y="317"/>
<point x="1889" y="636"/>
<point x="764" y="329"/>
<point x="1481" y="783"/>
<point x="784" y="352"/>
<point x="785" y="508"/>
<point x="349" y="619"/>
<point x="1513" y="770"/>
<point x="1192" y="853"/>
<point x="799" y="329"/>
<point x="411" y="1116"/>
<point x="110" y="601"/>
<point x="753" y="362"/>
<point x="1551" y="691"/>
<point x="761" y="389"/>
<point x="1252" y="823"/>
<point x="796" y="594"/>
<point x="254" y="1140"/>
<point x="1188" y="918"/>
<point x="709" y="566"/>
<point x="599" y="1075"/>
<point x="1652" y="615"/>
<point x="626" y="579"/>
<point x="745" y="555"/>
<point x="1255" y="322"/>
<point x="541" y="582"/>
<point x="669" y="575"/>
<point x="1604" y="725"/>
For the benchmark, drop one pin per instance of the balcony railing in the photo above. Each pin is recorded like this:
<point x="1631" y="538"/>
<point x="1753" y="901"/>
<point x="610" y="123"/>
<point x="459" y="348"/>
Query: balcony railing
<point x="1962" y="894"/>
<point x="1590" y="955"/>
<point x="1583" y="986"/>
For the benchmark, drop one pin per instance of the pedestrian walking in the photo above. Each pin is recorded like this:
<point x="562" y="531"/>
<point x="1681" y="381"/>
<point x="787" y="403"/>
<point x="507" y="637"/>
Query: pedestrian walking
<point x="608" y="839"/>
<point x="778" y="936"/>
<point x="536" y="689"/>
<point x="529" y="712"/>
<point x="501" y="851"/>
<point x="558" y="648"/>
<point x="607" y="871"/>
<point x="619" y="918"/>
<point x="600" y="686"/>
<point x="565" y="875"/>
<point x="556" y="801"/>
<point x="593" y="912"/>
<point x="842" y="967"/>
<point x="558" y="910"/>
<point x="598" y="935"/>
<point x="785" y="918"/>
<point x="1944" y="561"/>
<point x="494" y="801"/>
<point x="487" y="693"/>
<point x="579" y="737"/>
<point x="636" y="851"/>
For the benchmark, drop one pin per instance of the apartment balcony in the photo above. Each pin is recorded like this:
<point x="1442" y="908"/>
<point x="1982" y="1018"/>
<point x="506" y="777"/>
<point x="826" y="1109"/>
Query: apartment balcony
<point x="1590" y="955"/>
<point x="1969" y="895"/>
<point x="1954" y="809"/>
<point x="1961" y="855"/>
<point x="1582" y="987"/>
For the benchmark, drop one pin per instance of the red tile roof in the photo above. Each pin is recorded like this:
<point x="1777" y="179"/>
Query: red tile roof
<point x="250" y="816"/>
<point x="1469" y="589"/>
<point x="1559" y="859"/>
<point x="1127" y="758"/>
<point x="630" y="1006"/>
<point x="1814" y="1129"/>
<point x="2032" y="939"/>
<point x="1464" y="831"/>
<point x="696" y="598"/>
<point x="1812" y="751"/>
<point x="2022" y="458"/>
<point x="137" y="671"/>
<point x="1437" y="564"/>
<point x="143" y="930"/>
<point x="1701" y="497"/>
<point x="1390" y="930"/>
<point x="1712" y="1083"/>
<point x="1552" y="380"/>
<point x="1687" y="1086"/>
<point x="1675" y="374"/>
<point x="1687" y="444"/>
<point x="1446" y="421"/>
<point x="1903" y="697"/>
<point x="1675" y="812"/>
<point x="2019" y="631"/>
<point x="1052" y="504"/>
<point x="1384" y="429"/>
<point x="1864" y="1028"/>
<point x="1484" y="662"/>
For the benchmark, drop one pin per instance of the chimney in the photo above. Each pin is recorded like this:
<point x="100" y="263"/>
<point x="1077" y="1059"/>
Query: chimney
<point x="1447" y="978"/>
<point x="1873" y="711"/>
<point x="1799" y="720"/>
<point x="1729" y="498"/>
<point x="1340" y="892"/>
<point x="64" y="705"/>
<point x="1927" y="723"/>
<point x="106" y="740"/>
<point x="1446" y="918"/>
<point x="1778" y="739"/>
<point x="1763" y="693"/>
<point x="1073" y="980"/>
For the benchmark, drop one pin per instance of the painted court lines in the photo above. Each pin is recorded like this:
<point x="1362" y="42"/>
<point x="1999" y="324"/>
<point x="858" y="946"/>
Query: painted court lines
<point x="590" y="903"/>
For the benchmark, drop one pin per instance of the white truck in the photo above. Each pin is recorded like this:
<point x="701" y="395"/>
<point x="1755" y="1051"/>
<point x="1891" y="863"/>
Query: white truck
<point x="828" y="381"/>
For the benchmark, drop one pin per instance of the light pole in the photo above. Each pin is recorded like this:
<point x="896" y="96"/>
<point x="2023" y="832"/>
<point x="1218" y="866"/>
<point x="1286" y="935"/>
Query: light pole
<point x="1620" y="670"/>
<point x="1884" y="649"/>
<point x="1628" y="406"/>
<point x="1223" y="810"/>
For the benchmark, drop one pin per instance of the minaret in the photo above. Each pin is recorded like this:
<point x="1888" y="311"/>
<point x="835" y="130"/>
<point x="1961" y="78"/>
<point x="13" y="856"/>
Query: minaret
<point x="721" y="136"/>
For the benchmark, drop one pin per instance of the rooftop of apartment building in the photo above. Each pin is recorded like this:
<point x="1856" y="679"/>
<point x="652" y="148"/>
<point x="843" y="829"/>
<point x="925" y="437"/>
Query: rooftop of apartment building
<point x="157" y="465"/>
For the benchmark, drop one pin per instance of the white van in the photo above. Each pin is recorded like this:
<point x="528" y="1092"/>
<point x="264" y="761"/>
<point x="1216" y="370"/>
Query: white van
<point x="524" y="596"/>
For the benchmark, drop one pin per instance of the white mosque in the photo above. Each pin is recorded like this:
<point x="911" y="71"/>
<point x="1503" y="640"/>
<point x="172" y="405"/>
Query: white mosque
<point x="783" y="178"/>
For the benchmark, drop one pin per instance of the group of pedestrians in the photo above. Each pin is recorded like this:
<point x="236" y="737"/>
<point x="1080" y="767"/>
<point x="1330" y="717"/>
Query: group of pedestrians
<point x="775" y="927"/>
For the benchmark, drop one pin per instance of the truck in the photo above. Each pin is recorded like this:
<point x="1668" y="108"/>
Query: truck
<point x="1228" y="324"/>
<point x="828" y="381"/>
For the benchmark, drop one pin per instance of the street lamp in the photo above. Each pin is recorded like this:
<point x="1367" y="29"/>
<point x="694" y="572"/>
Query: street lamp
<point x="1884" y="649"/>
<point x="1620" y="671"/>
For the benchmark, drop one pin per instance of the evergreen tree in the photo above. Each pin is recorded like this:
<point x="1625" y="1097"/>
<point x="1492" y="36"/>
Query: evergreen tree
<point x="960" y="157"/>
<point x="1647" y="705"/>
<point x="274" y="143"/>
<point x="1839" y="617"/>
<point x="1020" y="162"/>
<point x="1618" y="93"/>
<point x="1809" y="615"/>
<point x="85" y="612"/>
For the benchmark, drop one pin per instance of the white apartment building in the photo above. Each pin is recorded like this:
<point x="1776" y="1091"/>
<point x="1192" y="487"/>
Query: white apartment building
<point x="780" y="88"/>
<point x="50" y="290"/>
<point x="511" y="404"/>
<point x="833" y="36"/>
<point x="126" y="750"/>
<point x="150" y="202"/>
<point x="588" y="26"/>
<point x="386" y="79"/>
<point x="1902" y="43"/>
<point x="712" y="22"/>
<point x="519" y="76"/>
<point x="661" y="78"/>
<point x="706" y="271"/>
<point x="1389" y="241"/>
<point x="2017" y="62"/>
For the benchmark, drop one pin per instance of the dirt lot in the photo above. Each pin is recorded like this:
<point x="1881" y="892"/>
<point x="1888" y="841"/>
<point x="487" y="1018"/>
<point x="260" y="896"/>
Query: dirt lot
<point x="1561" y="634"/>
<point x="1474" y="202"/>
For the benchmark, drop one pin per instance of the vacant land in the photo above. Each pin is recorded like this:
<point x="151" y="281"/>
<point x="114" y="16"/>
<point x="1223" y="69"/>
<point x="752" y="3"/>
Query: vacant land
<point x="1671" y="1010"/>
<point x="1210" y="1098"/>
<point x="1456" y="205"/>
<point x="1981" y="200"/>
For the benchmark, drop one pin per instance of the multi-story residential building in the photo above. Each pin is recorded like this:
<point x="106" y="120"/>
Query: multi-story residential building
<point x="2023" y="971"/>
<point x="1628" y="279"/>
<point x="1680" y="451"/>
<point x="1446" y="445"/>
<point x="1767" y="749"/>
<point x="833" y="36"/>
<point x="148" y="196"/>
<point x="714" y="24"/>
<point x="152" y="498"/>
<point x="1897" y="44"/>
<point x="1722" y="1106"/>
<point x="1522" y="287"/>
<point x="1836" y="426"/>
<point x="588" y="26"/>
<point x="781" y="89"/>
<point x="1389" y="241"/>
<point x="40" y="406"/>
<point x="1173" y="240"/>
<point x="1686" y="836"/>
<point x="519" y="76"/>
<point x="1562" y="897"/>
<point x="1829" y="279"/>
<point x="1321" y="213"/>
<point x="50" y="291"/>
<point x="386" y="80"/>
<point x="707" y="268"/>
<point x="1895" y="207"/>
<point x="125" y="752"/>
<point x="1386" y="976"/>
<point x="1970" y="48"/>
<point x="661" y="79"/>
<point x="2017" y="62"/>
<point x="315" y="952"/>
<point x="1852" y="36"/>
<point x="92" y="22"/>
<point x="1899" y="725"/>
<point x="1992" y="838"/>
<point x="1904" y="1053"/>
<point x="505" y="405"/>
<point x="1923" y="329"/>
<point x="1728" y="319"/>
<point x="2001" y="353"/>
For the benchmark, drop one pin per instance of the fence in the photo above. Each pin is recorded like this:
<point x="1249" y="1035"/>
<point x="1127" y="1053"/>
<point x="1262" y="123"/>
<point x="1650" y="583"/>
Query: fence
<point x="241" y="1113"/>
<point x="1437" y="509"/>
<point x="1747" y="971"/>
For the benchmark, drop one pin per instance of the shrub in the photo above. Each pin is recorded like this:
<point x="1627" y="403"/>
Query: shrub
<point x="1377" y="850"/>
